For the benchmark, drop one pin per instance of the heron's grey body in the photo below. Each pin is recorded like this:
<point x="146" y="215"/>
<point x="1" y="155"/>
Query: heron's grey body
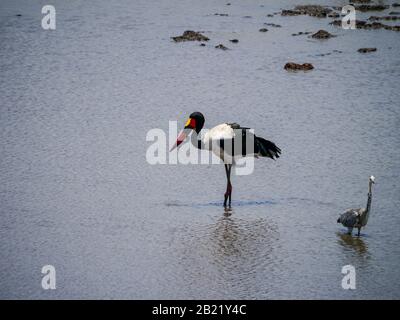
<point x="357" y="218"/>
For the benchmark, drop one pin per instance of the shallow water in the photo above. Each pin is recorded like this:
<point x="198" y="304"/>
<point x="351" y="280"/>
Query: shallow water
<point x="76" y="191"/>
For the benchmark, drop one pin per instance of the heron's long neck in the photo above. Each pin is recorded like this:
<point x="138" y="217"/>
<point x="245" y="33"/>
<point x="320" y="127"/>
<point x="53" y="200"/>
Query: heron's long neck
<point x="369" y="197"/>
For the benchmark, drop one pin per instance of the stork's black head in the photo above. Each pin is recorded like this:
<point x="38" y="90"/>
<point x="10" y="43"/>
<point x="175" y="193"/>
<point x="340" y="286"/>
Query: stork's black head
<point x="195" y="122"/>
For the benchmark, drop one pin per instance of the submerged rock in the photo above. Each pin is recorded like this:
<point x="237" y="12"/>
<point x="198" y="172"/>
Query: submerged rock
<point x="394" y="12"/>
<point x="272" y="25"/>
<point x="301" y="33"/>
<point x="290" y="13"/>
<point x="371" y="7"/>
<point x="190" y="35"/>
<point x="291" y="66"/>
<point x="377" y="18"/>
<point x="366" y="50"/>
<point x="322" y="34"/>
<point x="221" y="46"/>
<point x="311" y="10"/>
<point x="333" y="14"/>
<point x="263" y="30"/>
<point x="221" y="14"/>
<point x="360" y="24"/>
<point x="234" y="40"/>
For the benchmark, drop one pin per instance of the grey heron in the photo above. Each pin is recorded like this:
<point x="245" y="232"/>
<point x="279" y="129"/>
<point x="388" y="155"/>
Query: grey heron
<point x="358" y="218"/>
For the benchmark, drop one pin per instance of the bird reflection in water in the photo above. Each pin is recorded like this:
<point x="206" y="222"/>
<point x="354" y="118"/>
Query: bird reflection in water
<point x="236" y="238"/>
<point x="355" y="243"/>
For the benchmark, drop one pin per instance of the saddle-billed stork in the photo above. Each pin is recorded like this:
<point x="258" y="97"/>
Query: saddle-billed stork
<point x="221" y="141"/>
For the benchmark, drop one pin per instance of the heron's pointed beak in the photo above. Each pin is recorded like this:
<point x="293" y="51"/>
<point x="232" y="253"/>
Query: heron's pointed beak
<point x="181" y="137"/>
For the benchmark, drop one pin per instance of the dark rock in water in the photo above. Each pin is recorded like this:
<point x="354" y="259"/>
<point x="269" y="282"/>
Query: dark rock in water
<point x="18" y="15"/>
<point x="270" y="15"/>
<point x="371" y="7"/>
<point x="301" y="33"/>
<point x="311" y="10"/>
<point x="376" y="18"/>
<point x="234" y="40"/>
<point x="333" y="14"/>
<point x="322" y="34"/>
<point x="336" y="23"/>
<point x="221" y="46"/>
<point x="263" y="30"/>
<point x="291" y="66"/>
<point x="394" y="12"/>
<point x="247" y="17"/>
<point x="228" y="4"/>
<point x="360" y="24"/>
<point x="323" y="54"/>
<point x="395" y="5"/>
<point x="290" y="13"/>
<point x="366" y="50"/>
<point x="337" y="51"/>
<point x="202" y="44"/>
<point x="189" y="35"/>
<point x="273" y="25"/>
<point x="221" y="14"/>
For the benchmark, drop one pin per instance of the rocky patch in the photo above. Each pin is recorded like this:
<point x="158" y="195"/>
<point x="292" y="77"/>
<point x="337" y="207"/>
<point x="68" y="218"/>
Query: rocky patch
<point x="301" y="33"/>
<point x="371" y="7"/>
<point x="366" y="50"/>
<point x="272" y="25"/>
<point x="322" y="34"/>
<point x="311" y="10"/>
<point x="221" y="46"/>
<point x="190" y="35"/>
<point x="333" y="14"/>
<point x="360" y="24"/>
<point x="376" y="18"/>
<point x="291" y="66"/>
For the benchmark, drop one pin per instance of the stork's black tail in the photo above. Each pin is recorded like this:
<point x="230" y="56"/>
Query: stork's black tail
<point x="266" y="148"/>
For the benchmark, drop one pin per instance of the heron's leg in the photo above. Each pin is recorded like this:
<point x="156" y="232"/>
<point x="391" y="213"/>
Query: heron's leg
<point x="349" y="230"/>
<point x="359" y="229"/>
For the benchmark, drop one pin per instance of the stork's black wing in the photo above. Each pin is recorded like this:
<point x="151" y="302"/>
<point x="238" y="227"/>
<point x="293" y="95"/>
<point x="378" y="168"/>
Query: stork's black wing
<point x="261" y="146"/>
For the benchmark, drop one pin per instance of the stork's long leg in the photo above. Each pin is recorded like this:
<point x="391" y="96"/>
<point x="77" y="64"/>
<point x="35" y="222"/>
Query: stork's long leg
<point x="228" y="193"/>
